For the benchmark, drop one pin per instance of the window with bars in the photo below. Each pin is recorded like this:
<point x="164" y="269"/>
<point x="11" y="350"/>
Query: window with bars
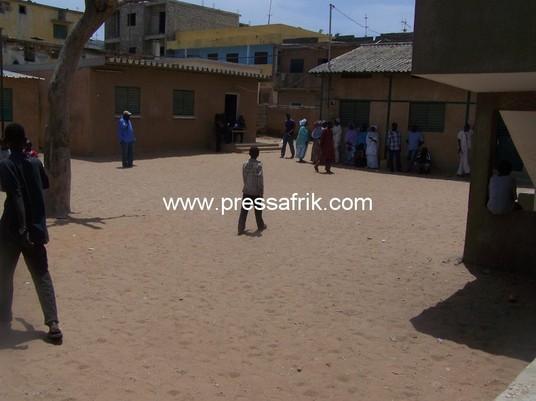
<point x="296" y="65"/>
<point x="131" y="19"/>
<point x="60" y="31"/>
<point x="29" y="53"/>
<point x="428" y="116"/>
<point x="127" y="98"/>
<point x="232" y="57"/>
<point x="356" y="112"/>
<point x="4" y="6"/>
<point x="7" y="104"/>
<point x="183" y="102"/>
<point x="261" y="57"/>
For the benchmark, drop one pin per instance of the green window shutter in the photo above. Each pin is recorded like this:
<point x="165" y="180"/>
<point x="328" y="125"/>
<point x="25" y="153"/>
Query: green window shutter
<point x="127" y="98"/>
<point x="183" y="102"/>
<point x="7" y="104"/>
<point x="428" y="116"/>
<point x="354" y="111"/>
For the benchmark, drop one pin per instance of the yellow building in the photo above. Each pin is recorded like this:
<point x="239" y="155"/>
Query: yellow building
<point x="244" y="35"/>
<point x="34" y="32"/>
<point x="243" y="45"/>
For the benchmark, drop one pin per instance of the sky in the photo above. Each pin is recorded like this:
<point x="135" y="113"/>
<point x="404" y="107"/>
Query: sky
<point x="348" y="17"/>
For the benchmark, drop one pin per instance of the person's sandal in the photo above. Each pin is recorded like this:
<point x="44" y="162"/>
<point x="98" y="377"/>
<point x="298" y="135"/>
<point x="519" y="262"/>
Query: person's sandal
<point x="54" y="332"/>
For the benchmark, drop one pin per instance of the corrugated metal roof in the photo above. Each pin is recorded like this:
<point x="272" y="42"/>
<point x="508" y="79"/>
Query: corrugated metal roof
<point x="370" y="58"/>
<point x="195" y="65"/>
<point x="11" y="74"/>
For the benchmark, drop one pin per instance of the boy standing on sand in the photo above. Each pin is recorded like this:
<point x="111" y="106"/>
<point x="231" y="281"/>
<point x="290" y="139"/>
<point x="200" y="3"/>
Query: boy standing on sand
<point x="253" y="189"/>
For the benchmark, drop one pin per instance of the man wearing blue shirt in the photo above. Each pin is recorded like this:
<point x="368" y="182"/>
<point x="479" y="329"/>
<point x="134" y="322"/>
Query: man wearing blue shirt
<point x="288" y="137"/>
<point x="125" y="134"/>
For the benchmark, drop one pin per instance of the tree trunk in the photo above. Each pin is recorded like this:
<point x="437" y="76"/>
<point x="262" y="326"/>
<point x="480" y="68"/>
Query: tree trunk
<point x="57" y="152"/>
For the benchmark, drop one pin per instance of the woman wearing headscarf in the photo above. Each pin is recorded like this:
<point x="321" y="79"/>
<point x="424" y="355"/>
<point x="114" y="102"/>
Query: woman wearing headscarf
<point x="302" y="140"/>
<point x="327" y="150"/>
<point x="315" y="134"/>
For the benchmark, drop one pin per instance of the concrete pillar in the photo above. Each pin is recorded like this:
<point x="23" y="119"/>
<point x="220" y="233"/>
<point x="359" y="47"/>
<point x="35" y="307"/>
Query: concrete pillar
<point x="506" y="242"/>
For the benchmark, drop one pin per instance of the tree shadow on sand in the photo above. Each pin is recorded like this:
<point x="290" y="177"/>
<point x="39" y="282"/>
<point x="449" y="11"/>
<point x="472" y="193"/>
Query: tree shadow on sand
<point x="494" y="313"/>
<point x="95" y="223"/>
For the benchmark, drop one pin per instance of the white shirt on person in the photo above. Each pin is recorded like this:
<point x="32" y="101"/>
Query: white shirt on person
<point x="465" y="138"/>
<point x="502" y="194"/>
<point x="253" y="178"/>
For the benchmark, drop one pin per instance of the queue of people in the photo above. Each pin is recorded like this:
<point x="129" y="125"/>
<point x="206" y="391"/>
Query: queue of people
<point x="331" y="144"/>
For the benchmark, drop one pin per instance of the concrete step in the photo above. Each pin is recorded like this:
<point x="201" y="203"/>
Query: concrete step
<point x="263" y="146"/>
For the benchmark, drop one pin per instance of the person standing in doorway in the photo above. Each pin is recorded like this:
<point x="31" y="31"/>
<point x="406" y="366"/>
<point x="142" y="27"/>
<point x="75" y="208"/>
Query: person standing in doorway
<point x="125" y="133"/>
<point x="288" y="137"/>
<point x="219" y="130"/>
<point x="465" y="137"/>
<point x="23" y="230"/>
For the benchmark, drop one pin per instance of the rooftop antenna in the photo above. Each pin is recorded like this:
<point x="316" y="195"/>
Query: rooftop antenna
<point x="404" y="25"/>
<point x="331" y="6"/>
<point x="269" y="12"/>
<point x="366" y="25"/>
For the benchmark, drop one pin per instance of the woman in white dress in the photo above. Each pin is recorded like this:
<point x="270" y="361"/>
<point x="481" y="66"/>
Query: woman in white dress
<point x="373" y="139"/>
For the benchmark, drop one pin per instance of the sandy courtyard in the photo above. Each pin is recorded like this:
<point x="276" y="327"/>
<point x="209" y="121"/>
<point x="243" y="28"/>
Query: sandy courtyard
<point x="324" y="305"/>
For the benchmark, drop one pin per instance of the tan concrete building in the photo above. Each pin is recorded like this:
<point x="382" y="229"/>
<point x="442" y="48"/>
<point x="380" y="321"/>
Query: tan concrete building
<point x="22" y="102"/>
<point x="498" y="63"/>
<point x="373" y="84"/>
<point x="173" y="103"/>
<point x="292" y="83"/>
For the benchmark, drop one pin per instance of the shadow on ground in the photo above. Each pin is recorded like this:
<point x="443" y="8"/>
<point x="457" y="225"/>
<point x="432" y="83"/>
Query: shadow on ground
<point x="494" y="313"/>
<point x="146" y="155"/>
<point x="18" y="339"/>
<point x="95" y="223"/>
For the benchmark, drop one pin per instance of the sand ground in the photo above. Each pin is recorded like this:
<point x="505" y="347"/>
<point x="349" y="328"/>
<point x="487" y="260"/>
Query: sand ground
<point x="324" y="305"/>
